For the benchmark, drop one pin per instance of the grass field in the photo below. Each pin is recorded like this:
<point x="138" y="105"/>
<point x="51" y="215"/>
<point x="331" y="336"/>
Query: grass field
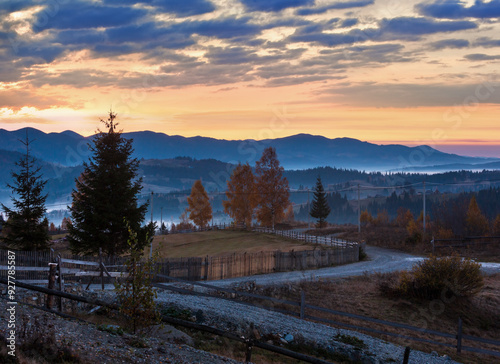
<point x="222" y="242"/>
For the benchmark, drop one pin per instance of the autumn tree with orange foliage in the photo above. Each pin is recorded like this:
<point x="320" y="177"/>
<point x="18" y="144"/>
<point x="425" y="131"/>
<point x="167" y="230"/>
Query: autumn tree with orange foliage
<point x="241" y="195"/>
<point x="476" y="223"/>
<point x="272" y="189"/>
<point x="289" y="214"/>
<point x="66" y="221"/>
<point x="404" y="217"/>
<point x="200" y="210"/>
<point x="365" y="218"/>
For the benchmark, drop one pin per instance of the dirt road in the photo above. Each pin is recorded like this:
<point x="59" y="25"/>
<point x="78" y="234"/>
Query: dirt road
<point x="380" y="260"/>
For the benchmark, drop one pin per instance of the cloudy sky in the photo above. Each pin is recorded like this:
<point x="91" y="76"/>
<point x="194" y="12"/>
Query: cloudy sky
<point x="385" y="71"/>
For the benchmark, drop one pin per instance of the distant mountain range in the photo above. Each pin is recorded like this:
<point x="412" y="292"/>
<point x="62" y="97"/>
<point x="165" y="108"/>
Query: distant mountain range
<point x="294" y="152"/>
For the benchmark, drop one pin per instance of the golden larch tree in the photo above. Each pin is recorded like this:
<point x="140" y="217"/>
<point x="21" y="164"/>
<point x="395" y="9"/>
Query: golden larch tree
<point x="200" y="210"/>
<point x="476" y="223"/>
<point x="272" y="189"/>
<point x="240" y="195"/>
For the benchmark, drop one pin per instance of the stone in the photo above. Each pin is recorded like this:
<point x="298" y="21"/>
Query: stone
<point x="256" y="334"/>
<point x="288" y="338"/>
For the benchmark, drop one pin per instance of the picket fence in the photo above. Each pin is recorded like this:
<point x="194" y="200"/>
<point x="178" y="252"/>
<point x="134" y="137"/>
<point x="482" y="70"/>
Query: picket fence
<point x="33" y="267"/>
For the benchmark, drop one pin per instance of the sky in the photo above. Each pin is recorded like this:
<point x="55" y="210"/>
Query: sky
<point x="384" y="71"/>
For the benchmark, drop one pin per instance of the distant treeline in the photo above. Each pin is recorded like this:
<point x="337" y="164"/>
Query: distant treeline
<point x="449" y="208"/>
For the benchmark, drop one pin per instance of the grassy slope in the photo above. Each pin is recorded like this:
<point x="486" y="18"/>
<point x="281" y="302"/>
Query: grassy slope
<point x="223" y="242"/>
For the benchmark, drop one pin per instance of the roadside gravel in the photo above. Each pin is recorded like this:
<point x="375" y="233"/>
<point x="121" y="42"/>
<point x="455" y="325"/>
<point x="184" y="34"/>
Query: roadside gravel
<point x="238" y="318"/>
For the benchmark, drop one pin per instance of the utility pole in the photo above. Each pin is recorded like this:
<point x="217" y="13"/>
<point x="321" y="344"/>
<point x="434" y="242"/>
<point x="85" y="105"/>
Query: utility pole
<point x="161" y="219"/>
<point x="424" y="208"/>
<point x="359" y="212"/>
<point x="308" y="211"/>
<point x="151" y="244"/>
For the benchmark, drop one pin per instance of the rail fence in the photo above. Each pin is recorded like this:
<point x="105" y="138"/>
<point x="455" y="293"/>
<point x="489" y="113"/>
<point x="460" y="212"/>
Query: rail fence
<point x="324" y="240"/>
<point x="465" y="242"/>
<point x="250" y="341"/>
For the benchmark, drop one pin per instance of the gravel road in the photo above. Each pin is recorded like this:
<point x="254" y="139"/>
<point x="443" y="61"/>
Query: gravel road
<point x="237" y="318"/>
<point x="380" y="260"/>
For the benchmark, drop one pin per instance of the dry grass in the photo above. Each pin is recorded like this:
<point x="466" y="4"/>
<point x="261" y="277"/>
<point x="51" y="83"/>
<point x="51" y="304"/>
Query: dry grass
<point x="223" y="242"/>
<point x="360" y="295"/>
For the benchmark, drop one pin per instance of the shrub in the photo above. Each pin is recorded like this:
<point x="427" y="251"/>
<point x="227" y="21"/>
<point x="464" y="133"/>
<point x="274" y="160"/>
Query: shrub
<point x="136" y="295"/>
<point x="436" y="277"/>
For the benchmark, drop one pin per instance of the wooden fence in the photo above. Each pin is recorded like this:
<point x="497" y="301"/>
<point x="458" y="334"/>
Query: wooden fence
<point x="324" y="240"/>
<point x="465" y="242"/>
<point x="33" y="267"/>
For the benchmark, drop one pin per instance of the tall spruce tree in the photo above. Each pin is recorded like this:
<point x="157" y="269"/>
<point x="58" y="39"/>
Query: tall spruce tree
<point x="319" y="207"/>
<point x="26" y="228"/>
<point x="105" y="198"/>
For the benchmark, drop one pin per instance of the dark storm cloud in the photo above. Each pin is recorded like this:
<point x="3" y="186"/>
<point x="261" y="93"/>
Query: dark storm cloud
<point x="274" y="5"/>
<point x="350" y="22"/>
<point x="454" y="9"/>
<point x="487" y="42"/>
<point x="240" y="55"/>
<point x="338" y="5"/>
<point x="402" y="28"/>
<point x="333" y="39"/>
<point x="481" y="57"/>
<point x="180" y="35"/>
<point x="177" y="7"/>
<point x="149" y="34"/>
<point x="85" y="15"/>
<point x="16" y="5"/>
<point x="409" y="26"/>
<point x="449" y="43"/>
<point x="80" y="37"/>
<point x="185" y="7"/>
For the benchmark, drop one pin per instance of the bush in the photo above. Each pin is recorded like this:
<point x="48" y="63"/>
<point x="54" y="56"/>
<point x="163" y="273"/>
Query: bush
<point x="438" y="277"/>
<point x="136" y="295"/>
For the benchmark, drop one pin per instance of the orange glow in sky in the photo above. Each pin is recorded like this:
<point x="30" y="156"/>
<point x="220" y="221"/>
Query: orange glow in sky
<point x="413" y="72"/>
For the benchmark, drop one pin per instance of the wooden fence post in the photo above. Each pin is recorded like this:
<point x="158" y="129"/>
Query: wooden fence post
<point x="459" y="336"/>
<point x="302" y="304"/>
<point x="59" y="271"/>
<point x="248" y="353"/>
<point x="407" y="355"/>
<point x="101" y="269"/>
<point x="205" y="275"/>
<point x="52" y="281"/>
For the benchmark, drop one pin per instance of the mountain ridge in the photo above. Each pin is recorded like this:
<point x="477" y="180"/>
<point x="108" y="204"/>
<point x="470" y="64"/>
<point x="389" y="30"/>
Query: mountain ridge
<point x="299" y="151"/>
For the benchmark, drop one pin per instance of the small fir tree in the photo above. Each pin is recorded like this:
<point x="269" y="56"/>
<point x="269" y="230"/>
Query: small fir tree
<point x="319" y="207"/>
<point x="26" y="228"/>
<point x="200" y="211"/>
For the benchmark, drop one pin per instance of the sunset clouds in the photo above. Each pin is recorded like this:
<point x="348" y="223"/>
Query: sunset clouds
<point x="158" y="63"/>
